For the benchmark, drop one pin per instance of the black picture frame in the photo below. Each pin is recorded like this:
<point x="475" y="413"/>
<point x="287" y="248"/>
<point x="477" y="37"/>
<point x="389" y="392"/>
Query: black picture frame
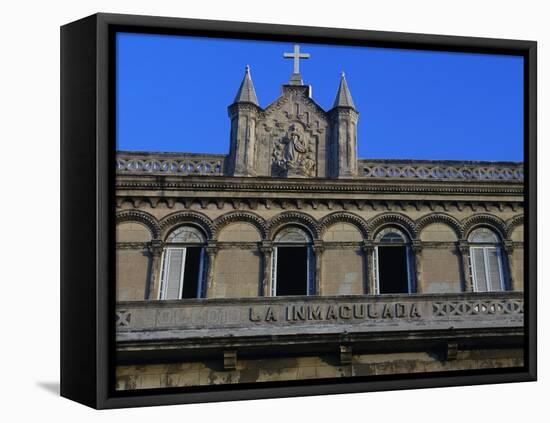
<point x="87" y="198"/>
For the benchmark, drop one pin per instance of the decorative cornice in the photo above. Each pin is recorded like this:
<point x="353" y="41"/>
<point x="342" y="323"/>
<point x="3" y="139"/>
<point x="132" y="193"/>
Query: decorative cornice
<point x="312" y="186"/>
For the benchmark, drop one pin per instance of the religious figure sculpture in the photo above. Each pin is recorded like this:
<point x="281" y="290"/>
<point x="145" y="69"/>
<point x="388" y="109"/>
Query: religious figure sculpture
<point x="292" y="155"/>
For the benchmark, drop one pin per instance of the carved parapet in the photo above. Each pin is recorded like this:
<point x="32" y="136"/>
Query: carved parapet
<point x="170" y="163"/>
<point x="441" y="170"/>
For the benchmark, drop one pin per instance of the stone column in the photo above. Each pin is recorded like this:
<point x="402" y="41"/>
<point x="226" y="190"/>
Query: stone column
<point x="464" y="250"/>
<point x="318" y="249"/>
<point x="267" y="253"/>
<point x="507" y="265"/>
<point x="211" y="251"/>
<point x="416" y="249"/>
<point x="155" y="247"/>
<point x="368" y="252"/>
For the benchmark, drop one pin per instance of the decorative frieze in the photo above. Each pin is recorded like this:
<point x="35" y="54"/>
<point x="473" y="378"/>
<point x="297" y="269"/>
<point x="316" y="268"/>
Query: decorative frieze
<point x="186" y="319"/>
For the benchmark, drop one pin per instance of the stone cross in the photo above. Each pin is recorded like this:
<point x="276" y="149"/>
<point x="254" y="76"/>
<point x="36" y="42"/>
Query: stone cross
<point x="296" y="56"/>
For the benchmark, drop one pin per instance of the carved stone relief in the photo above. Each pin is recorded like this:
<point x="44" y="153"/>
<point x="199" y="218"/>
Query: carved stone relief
<point x="294" y="154"/>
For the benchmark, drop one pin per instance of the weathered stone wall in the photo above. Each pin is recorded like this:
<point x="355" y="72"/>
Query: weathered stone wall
<point x="343" y="272"/>
<point x="517" y="258"/>
<point x="311" y="367"/>
<point x="344" y="266"/>
<point x="237" y="273"/>
<point x="133" y="261"/>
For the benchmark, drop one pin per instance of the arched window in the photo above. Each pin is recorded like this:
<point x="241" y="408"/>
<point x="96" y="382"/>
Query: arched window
<point x="183" y="265"/>
<point x="393" y="262"/>
<point x="292" y="267"/>
<point x="486" y="261"/>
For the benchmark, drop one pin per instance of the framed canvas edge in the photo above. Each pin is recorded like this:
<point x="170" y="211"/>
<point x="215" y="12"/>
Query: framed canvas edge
<point x="104" y="174"/>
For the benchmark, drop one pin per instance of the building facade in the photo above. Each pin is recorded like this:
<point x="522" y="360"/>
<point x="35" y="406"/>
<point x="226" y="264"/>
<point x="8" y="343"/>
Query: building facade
<point x="291" y="258"/>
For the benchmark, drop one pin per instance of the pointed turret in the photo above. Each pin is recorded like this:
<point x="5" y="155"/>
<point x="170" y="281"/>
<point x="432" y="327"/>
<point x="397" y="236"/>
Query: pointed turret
<point x="343" y="150"/>
<point x="246" y="93"/>
<point x="343" y="96"/>
<point x="243" y="113"/>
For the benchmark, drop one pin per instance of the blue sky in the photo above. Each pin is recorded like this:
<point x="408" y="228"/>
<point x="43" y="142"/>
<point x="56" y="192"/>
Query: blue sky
<point x="173" y="93"/>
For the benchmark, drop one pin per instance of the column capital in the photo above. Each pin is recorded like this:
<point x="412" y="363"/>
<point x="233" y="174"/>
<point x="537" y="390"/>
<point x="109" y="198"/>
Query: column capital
<point x="318" y="246"/>
<point x="463" y="246"/>
<point x="416" y="246"/>
<point x="508" y="246"/>
<point x="368" y="246"/>
<point x="211" y="248"/>
<point x="266" y="247"/>
<point x="155" y="247"/>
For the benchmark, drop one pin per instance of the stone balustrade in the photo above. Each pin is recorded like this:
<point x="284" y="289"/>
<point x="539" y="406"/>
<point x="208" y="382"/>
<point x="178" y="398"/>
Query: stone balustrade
<point x="441" y="170"/>
<point x="170" y="163"/>
<point x="214" y="164"/>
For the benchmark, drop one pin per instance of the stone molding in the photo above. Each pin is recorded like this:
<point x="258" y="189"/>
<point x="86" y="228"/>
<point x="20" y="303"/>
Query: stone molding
<point x="368" y="228"/>
<point x="174" y="220"/>
<point x="392" y="219"/>
<point x="242" y="217"/>
<point x="296" y="218"/>
<point x="344" y="217"/>
<point x="139" y="216"/>
<point x="484" y="219"/>
<point x="512" y="223"/>
<point x="440" y="218"/>
<point x="313" y="185"/>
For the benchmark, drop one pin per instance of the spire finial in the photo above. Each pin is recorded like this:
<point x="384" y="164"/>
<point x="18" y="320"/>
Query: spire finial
<point x="343" y="96"/>
<point x="246" y="93"/>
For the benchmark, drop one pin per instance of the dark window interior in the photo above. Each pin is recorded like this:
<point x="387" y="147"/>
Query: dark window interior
<point x="191" y="272"/>
<point x="392" y="268"/>
<point x="292" y="271"/>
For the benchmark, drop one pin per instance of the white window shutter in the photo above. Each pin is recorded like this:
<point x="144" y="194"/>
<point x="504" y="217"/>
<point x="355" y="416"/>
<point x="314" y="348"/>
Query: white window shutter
<point x="494" y="269"/>
<point x="375" y="271"/>
<point x="175" y="263"/>
<point x="478" y="266"/>
<point x="274" y="272"/>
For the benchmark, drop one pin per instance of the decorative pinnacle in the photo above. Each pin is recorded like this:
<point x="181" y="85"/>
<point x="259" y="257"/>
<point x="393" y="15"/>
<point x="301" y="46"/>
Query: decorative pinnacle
<point x="343" y="96"/>
<point x="246" y="93"/>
